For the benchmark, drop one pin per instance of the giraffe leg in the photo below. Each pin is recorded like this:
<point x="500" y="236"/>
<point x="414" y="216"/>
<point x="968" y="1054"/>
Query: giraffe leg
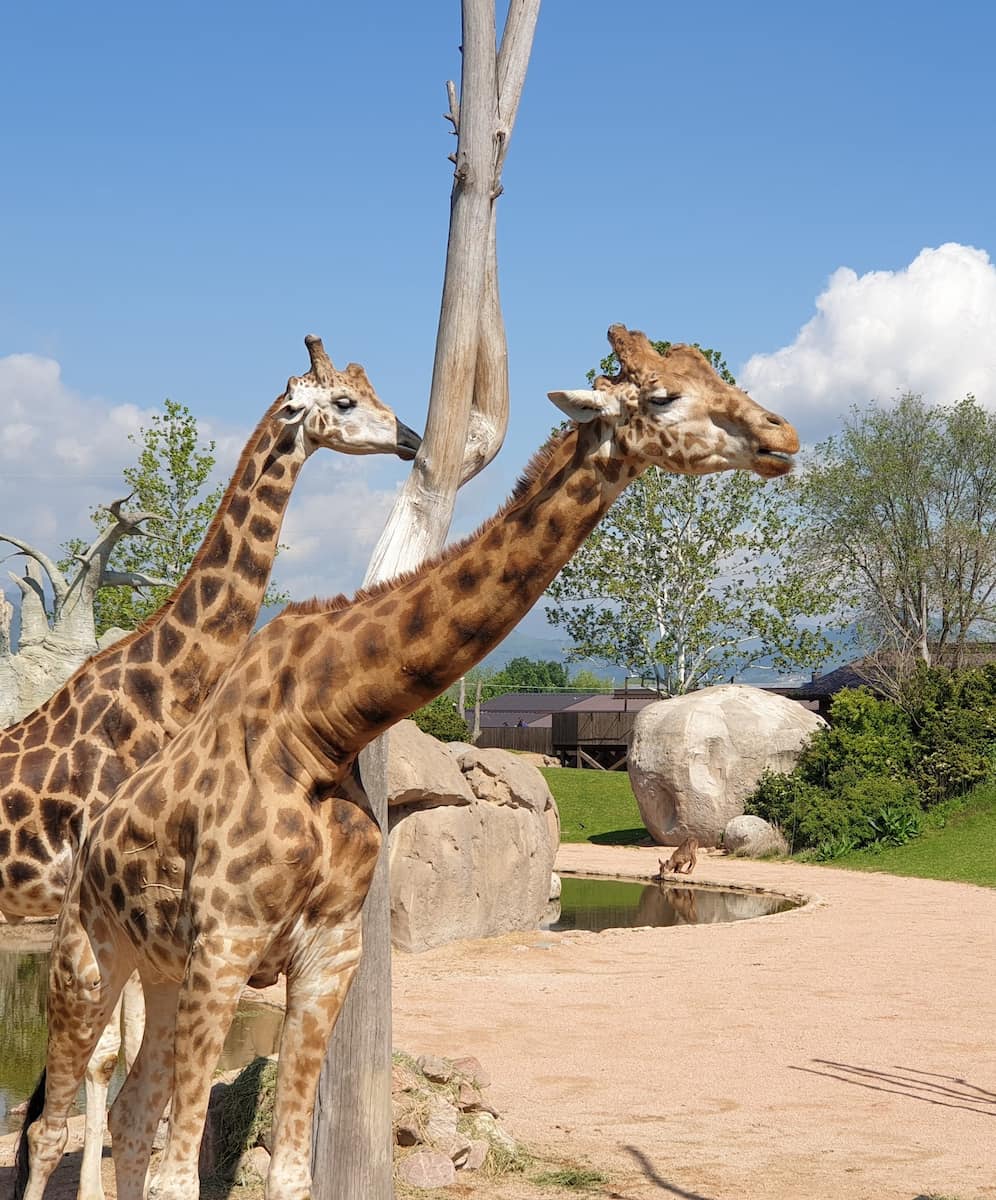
<point x="136" y="1112"/>
<point x="217" y="969"/>
<point x="314" y="1000"/>
<point x="83" y="991"/>
<point x="99" y="1070"/>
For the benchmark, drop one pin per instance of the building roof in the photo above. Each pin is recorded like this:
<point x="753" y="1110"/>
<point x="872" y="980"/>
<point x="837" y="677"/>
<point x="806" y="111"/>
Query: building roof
<point x="617" y="703"/>
<point x="528" y="707"/>
<point x="862" y="672"/>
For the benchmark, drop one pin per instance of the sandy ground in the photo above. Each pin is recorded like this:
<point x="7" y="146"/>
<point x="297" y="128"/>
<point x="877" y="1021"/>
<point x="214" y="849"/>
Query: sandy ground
<point x="843" y="1051"/>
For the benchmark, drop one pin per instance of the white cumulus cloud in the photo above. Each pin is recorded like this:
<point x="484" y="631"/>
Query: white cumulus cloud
<point x="928" y="328"/>
<point x="62" y="453"/>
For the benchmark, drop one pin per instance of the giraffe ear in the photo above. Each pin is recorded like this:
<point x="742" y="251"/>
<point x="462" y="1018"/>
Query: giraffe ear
<point x="583" y="404"/>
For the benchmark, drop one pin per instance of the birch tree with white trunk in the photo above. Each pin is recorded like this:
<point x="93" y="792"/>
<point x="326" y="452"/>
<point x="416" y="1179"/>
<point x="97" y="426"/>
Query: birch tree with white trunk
<point x="57" y="629"/>
<point x="465" y="427"/>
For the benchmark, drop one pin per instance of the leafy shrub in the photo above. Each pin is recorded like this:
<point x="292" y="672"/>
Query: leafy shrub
<point x="867" y="736"/>
<point x="953" y="716"/>
<point x="441" y="720"/>
<point x="867" y="780"/>
<point x="833" y="822"/>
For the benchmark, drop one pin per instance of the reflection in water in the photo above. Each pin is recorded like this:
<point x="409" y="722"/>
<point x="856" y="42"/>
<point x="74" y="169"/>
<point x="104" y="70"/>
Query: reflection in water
<point x="597" y="904"/>
<point x="23" y="984"/>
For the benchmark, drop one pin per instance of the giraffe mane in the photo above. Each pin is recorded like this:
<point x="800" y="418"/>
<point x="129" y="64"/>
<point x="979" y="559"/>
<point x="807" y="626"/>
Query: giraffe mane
<point x="535" y="468"/>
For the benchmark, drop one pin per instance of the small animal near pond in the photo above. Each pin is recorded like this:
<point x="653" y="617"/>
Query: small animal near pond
<point x="682" y="861"/>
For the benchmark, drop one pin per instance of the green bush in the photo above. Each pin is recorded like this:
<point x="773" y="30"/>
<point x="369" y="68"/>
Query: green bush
<point x="867" y="736"/>
<point x="866" y="810"/>
<point x="441" y="720"/>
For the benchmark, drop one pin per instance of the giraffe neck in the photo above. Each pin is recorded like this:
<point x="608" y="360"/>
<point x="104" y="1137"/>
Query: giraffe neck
<point x="194" y="637"/>
<point x="360" y="667"/>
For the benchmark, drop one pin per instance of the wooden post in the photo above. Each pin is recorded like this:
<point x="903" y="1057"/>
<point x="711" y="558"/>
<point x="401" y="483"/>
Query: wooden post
<point x="468" y="414"/>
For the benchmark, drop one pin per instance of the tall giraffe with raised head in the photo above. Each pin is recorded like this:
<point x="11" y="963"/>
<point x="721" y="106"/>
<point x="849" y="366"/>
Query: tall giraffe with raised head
<point x="246" y="847"/>
<point x="126" y="702"/>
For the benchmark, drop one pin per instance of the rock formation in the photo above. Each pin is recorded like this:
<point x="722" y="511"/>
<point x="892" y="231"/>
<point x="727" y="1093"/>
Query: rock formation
<point x="473" y="834"/>
<point x="695" y="758"/>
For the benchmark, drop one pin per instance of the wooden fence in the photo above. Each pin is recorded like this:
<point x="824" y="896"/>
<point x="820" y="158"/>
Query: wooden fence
<point x="514" y="737"/>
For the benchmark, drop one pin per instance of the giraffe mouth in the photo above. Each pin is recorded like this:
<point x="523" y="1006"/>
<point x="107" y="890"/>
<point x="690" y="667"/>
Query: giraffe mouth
<point x="772" y="463"/>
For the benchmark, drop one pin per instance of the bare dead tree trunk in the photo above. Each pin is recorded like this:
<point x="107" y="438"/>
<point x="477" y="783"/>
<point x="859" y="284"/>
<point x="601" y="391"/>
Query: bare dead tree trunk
<point x="51" y="646"/>
<point x="468" y="415"/>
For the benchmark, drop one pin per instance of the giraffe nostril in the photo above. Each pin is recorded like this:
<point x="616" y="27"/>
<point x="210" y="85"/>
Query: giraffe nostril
<point x="775" y="419"/>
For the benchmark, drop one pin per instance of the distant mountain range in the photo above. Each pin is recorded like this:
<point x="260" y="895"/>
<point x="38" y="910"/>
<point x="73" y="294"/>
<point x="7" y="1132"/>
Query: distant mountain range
<point x="525" y="645"/>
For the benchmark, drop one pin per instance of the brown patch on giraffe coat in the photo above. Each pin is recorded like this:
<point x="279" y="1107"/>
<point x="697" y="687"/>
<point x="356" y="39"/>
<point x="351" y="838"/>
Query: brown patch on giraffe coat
<point x="209" y="588"/>
<point x="272" y="496"/>
<point x="146" y="689"/>
<point x="16" y="806"/>
<point x="238" y="509"/>
<point x="170" y="642"/>
<point x="250" y="565"/>
<point x="185" y="606"/>
<point x="219" y="550"/>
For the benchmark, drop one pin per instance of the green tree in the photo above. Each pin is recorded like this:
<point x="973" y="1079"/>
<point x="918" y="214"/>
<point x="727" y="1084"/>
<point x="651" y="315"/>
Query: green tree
<point x="523" y="673"/>
<point x="693" y="579"/>
<point x="901" y="510"/>
<point x="169" y="479"/>
<point x="587" y="681"/>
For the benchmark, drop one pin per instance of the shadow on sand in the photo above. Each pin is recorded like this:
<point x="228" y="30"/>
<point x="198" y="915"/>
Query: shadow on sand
<point x="651" y="1174"/>
<point x="948" y="1091"/>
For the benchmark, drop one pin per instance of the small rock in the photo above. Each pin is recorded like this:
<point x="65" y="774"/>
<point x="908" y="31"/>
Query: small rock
<point x="402" y="1078"/>
<point x="439" y="1070"/>
<point x="441" y="1123"/>
<point x="459" y="1150"/>
<point x="483" y="1125"/>
<point x="476" y="1155"/>
<point x="471" y="1069"/>
<point x="427" y="1169"/>
<point x="555" y="887"/>
<point x="753" y="837"/>
<point x="468" y="1096"/>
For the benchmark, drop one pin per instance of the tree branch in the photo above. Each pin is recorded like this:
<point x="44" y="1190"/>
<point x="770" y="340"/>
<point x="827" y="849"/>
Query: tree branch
<point x="59" y="585"/>
<point x="34" y="619"/>
<point x="135" y="579"/>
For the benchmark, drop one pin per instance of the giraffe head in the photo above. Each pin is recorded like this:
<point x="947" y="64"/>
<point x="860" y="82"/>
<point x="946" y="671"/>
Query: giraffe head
<point x="673" y="411"/>
<point x="341" y="411"/>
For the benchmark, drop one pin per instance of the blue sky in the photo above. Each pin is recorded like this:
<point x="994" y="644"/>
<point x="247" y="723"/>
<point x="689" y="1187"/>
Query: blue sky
<point x="189" y="189"/>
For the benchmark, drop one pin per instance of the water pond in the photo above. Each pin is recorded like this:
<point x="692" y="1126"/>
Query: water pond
<point x="597" y="904"/>
<point x="23" y="984"/>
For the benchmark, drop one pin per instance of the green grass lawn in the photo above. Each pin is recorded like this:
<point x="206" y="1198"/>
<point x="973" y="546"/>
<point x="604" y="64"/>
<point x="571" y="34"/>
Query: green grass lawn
<point x="964" y="849"/>
<point x="595" y="806"/>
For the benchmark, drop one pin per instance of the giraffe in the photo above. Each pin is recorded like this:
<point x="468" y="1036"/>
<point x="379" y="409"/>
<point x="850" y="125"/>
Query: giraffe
<point x="126" y="702"/>
<point x="246" y="847"/>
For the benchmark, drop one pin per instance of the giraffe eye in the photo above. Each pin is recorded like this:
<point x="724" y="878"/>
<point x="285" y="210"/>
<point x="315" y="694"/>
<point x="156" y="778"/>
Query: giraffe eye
<point x="344" y="403"/>
<point x="662" y="398"/>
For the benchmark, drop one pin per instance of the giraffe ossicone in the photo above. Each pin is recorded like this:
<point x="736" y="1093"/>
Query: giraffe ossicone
<point x="126" y="702"/>
<point x="242" y="849"/>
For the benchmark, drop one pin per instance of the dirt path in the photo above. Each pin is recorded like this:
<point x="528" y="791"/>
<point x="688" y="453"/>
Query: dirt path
<point x="845" y="1051"/>
<point x="841" y="1052"/>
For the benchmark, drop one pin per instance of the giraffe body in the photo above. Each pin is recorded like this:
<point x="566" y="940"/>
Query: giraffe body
<point x="246" y="847"/>
<point x="127" y="702"/>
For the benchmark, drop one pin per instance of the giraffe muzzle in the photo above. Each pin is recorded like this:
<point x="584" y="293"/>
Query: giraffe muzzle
<point x="408" y="442"/>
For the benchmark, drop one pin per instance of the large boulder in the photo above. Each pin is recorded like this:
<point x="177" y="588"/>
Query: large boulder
<point x="694" y="759"/>
<point x="472" y="841"/>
